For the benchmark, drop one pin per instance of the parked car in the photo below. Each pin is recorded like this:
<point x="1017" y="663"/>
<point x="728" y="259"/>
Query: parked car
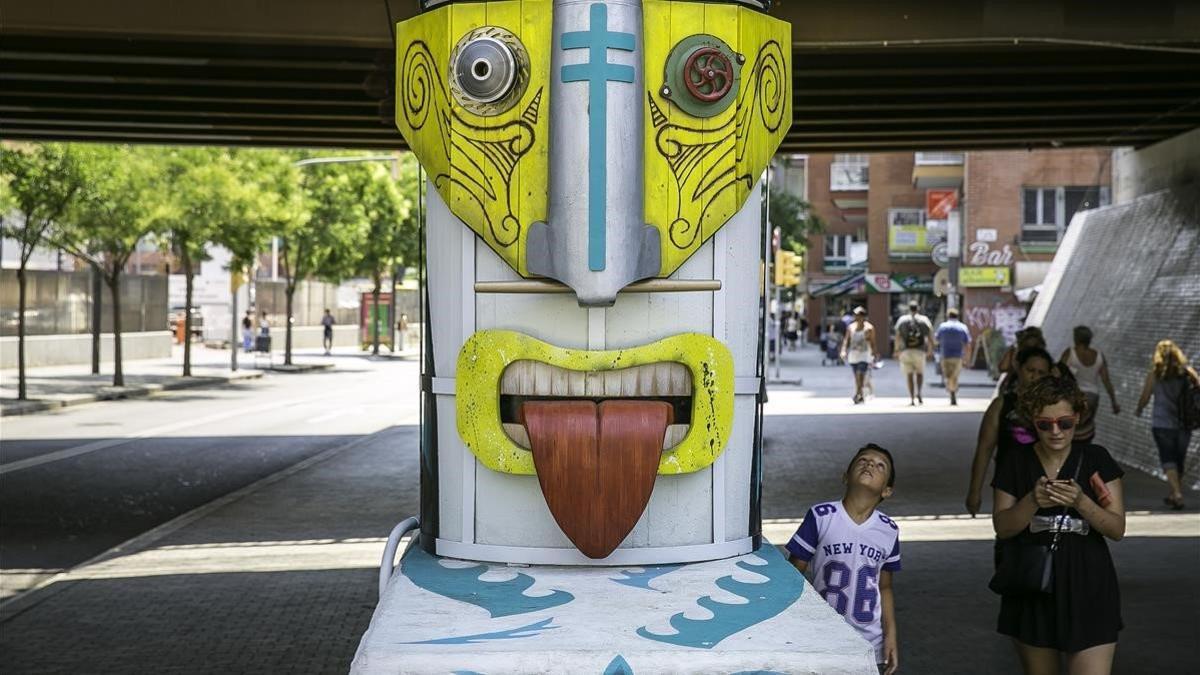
<point x="176" y="315"/>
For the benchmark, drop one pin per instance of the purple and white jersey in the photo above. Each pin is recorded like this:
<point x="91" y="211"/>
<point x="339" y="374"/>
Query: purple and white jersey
<point x="844" y="559"/>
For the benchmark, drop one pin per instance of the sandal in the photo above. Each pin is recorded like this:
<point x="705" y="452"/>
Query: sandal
<point x="1176" y="503"/>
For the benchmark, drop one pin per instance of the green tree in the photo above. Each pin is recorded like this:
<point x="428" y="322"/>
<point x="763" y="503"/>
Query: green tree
<point x="200" y="199"/>
<point x="795" y="219"/>
<point x="326" y="240"/>
<point x="110" y="216"/>
<point x="390" y="229"/>
<point x="39" y="182"/>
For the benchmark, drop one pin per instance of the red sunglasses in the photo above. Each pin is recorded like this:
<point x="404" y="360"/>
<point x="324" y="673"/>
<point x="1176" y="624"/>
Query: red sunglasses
<point x="1047" y="423"/>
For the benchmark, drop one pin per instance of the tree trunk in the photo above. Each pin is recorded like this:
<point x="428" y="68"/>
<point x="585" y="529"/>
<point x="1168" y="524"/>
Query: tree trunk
<point x="114" y="286"/>
<point x="97" y="308"/>
<point x="375" y="314"/>
<point x="290" y="290"/>
<point x="21" y="332"/>
<point x="235" y="343"/>
<point x="187" y="317"/>
<point x="396" y="272"/>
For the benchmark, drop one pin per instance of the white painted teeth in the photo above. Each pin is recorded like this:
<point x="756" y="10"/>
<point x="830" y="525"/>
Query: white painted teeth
<point x="674" y="435"/>
<point x="533" y="378"/>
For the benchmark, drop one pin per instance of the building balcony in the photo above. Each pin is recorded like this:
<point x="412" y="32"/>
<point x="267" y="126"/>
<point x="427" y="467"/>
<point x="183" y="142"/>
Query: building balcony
<point x="938" y="170"/>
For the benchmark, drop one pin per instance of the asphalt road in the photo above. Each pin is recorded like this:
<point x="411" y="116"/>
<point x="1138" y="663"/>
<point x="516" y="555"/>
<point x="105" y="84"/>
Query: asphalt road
<point x="77" y="481"/>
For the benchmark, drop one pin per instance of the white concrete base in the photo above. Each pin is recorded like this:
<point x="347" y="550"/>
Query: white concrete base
<point x="750" y="613"/>
<point x="62" y="350"/>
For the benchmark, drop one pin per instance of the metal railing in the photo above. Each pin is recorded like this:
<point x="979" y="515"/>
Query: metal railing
<point x="388" y="566"/>
<point x="939" y="158"/>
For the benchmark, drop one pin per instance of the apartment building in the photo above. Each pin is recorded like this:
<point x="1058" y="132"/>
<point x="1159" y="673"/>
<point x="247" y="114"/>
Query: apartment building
<point x="889" y="218"/>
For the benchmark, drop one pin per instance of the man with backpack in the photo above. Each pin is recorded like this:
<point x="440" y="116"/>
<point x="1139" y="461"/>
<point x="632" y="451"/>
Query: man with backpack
<point x="914" y="346"/>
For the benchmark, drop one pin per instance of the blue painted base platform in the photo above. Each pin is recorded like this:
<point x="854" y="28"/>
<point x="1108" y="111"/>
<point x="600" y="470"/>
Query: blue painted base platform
<point x="750" y="614"/>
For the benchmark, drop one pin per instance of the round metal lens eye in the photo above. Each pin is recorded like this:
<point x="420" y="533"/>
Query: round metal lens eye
<point x="486" y="69"/>
<point x="702" y="75"/>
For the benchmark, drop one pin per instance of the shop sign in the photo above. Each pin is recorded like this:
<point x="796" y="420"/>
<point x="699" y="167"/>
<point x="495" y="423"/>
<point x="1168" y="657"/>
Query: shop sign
<point x="986" y="234"/>
<point x="984" y="277"/>
<point x="980" y="253"/>
<point x="878" y="282"/>
<point x="908" y="239"/>
<point x="940" y="202"/>
<point x="882" y="283"/>
<point x="941" y="255"/>
<point x="914" y="284"/>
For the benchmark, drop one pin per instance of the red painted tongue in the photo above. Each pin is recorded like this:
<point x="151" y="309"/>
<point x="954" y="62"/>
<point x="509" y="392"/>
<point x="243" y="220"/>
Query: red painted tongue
<point x="596" y="464"/>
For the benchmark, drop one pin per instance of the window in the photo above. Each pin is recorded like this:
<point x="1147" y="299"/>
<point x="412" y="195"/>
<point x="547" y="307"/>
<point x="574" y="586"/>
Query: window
<point x="1047" y="211"/>
<point x="848" y="172"/>
<point x="837" y="250"/>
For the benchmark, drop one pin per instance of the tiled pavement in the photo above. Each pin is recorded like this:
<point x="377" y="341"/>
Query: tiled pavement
<point x="282" y="578"/>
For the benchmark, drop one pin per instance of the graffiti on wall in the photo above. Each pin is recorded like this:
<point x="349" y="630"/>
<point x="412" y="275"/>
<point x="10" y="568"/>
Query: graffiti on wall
<point x="1007" y="319"/>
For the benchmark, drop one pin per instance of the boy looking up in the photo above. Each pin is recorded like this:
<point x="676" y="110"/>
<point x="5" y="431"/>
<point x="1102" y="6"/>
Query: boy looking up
<point x="848" y="550"/>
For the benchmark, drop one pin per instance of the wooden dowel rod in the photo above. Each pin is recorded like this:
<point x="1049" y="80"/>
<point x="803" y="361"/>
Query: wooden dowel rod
<point x="649" y="286"/>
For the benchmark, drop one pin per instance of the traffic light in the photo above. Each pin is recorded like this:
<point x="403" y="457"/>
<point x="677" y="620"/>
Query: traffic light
<point x="787" y="268"/>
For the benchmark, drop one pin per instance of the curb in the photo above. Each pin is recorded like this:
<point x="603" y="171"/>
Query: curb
<point x="18" y="604"/>
<point x="297" y="368"/>
<point x="29" y="407"/>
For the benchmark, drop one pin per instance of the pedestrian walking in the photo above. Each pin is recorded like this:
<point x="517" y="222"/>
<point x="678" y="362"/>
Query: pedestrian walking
<point x="1090" y="370"/>
<point x="849" y="550"/>
<point x="1026" y="338"/>
<point x="327" y="324"/>
<point x="772" y="337"/>
<point x="1002" y="431"/>
<point x="953" y="342"/>
<point x="401" y="331"/>
<point x="858" y="350"/>
<point x="831" y="345"/>
<point x="914" y="344"/>
<point x="1175" y="386"/>
<point x="1054" y="507"/>
<point x="792" y="328"/>
<point x="248" y="332"/>
<point x="262" y="343"/>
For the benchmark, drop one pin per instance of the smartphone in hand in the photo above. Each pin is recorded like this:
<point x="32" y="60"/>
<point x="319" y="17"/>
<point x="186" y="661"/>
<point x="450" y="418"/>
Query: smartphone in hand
<point x="1103" y="494"/>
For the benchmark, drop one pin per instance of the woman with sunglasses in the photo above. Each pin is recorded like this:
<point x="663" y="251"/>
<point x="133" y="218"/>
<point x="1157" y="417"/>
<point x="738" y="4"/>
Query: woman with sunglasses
<point x="1001" y="431"/>
<point x="1076" y="490"/>
<point x="1169" y="377"/>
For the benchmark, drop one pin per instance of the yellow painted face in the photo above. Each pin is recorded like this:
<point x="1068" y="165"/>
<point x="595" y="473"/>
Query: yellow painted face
<point x="706" y="364"/>
<point x="717" y="103"/>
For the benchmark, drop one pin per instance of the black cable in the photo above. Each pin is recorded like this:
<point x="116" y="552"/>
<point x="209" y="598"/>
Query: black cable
<point x="387" y="7"/>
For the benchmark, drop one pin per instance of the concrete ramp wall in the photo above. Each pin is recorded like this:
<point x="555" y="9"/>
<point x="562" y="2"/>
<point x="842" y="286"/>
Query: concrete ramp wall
<point x="1130" y="272"/>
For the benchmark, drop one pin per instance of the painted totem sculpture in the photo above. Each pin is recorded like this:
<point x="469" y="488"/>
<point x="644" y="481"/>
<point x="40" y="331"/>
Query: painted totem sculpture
<point x="593" y="252"/>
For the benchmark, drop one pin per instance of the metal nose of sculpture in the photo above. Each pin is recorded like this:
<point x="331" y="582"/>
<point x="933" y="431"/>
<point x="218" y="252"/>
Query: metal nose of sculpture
<point x="594" y="238"/>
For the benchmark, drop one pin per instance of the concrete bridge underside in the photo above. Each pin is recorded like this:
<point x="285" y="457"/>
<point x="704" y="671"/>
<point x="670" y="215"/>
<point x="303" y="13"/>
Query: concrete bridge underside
<point x="869" y="76"/>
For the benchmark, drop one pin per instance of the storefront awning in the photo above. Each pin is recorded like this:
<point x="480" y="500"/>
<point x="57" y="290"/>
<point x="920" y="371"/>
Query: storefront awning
<point x="840" y="287"/>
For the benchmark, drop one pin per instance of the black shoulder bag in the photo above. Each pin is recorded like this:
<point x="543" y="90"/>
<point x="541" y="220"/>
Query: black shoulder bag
<point x="1027" y="567"/>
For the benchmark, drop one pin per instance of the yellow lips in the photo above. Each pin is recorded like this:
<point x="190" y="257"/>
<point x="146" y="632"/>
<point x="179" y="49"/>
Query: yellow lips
<point x="486" y="354"/>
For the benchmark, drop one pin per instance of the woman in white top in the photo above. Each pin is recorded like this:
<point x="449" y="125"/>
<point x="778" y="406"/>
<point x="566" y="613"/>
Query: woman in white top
<point x="1090" y="371"/>
<point x="858" y="349"/>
